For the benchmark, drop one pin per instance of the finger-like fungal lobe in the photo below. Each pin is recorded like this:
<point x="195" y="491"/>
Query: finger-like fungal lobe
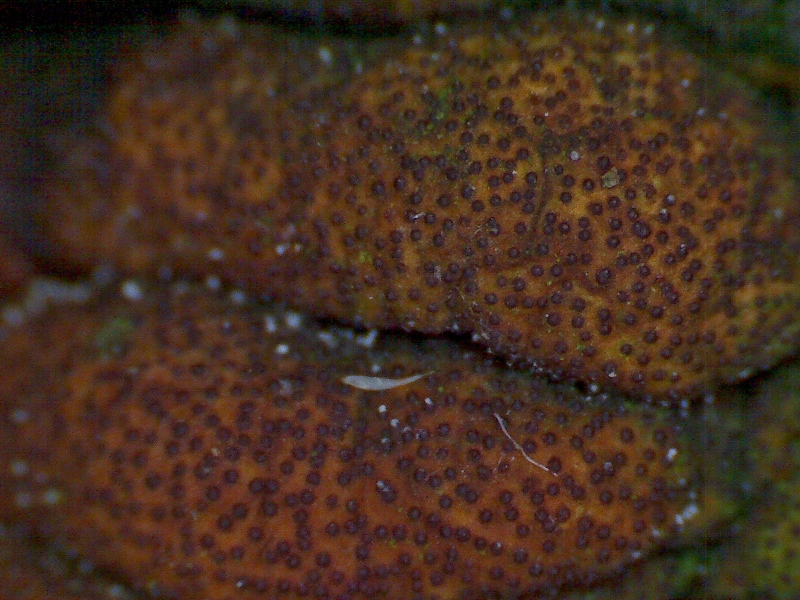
<point x="587" y="199"/>
<point x="578" y="194"/>
<point x="191" y="120"/>
<point x="199" y="447"/>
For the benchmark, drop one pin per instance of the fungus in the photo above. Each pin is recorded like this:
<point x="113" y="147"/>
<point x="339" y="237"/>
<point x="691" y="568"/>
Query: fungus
<point x="577" y="194"/>
<point x="192" y="460"/>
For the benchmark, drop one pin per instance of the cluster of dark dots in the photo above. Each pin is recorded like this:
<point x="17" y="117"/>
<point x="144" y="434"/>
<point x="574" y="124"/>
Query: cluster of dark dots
<point x="571" y="198"/>
<point x="576" y="193"/>
<point x="216" y="455"/>
<point x="581" y="197"/>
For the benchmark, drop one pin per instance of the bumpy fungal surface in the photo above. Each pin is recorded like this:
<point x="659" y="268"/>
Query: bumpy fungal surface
<point x="594" y="202"/>
<point x="576" y="193"/>
<point x="207" y="99"/>
<point x="205" y="448"/>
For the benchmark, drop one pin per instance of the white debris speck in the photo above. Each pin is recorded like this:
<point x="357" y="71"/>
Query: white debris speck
<point x="600" y="23"/>
<point x="378" y="384"/>
<point x="574" y="155"/>
<point x="19" y="468"/>
<point x="428" y="402"/>
<point x="282" y="349"/>
<point x="286" y="387"/>
<point x="52" y="497"/>
<point x="20" y="415"/>
<point x="375" y="368"/>
<point x="382" y="486"/>
<point x="630" y="28"/>
<point x="368" y="339"/>
<point x="671" y="454"/>
<point x="327" y="338"/>
<point x="519" y="447"/>
<point x="394" y="423"/>
<point x="687" y="513"/>
<point x="131" y="290"/>
<point x="325" y="55"/>
<point x="685" y="83"/>
<point x="382" y="409"/>
<point x="270" y="325"/>
<point x="213" y="283"/>
<point x="701" y="111"/>
<point x="610" y="178"/>
<point x="238" y="297"/>
<point x="293" y="320"/>
<point x="281" y="249"/>
<point x="216" y="254"/>
<point x="440" y="29"/>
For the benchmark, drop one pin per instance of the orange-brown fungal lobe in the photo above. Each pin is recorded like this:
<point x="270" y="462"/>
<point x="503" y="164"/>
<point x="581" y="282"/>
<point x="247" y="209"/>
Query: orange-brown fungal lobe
<point x="191" y="119"/>
<point x="576" y="193"/>
<point x="199" y="447"/>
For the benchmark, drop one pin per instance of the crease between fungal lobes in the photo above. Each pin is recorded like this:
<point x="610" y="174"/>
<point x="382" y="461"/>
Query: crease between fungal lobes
<point x="578" y="194"/>
<point x="198" y="453"/>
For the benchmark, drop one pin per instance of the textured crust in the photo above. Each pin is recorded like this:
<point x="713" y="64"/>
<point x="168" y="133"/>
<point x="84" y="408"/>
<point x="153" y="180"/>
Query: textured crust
<point x="577" y="194"/>
<point x="200" y="448"/>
